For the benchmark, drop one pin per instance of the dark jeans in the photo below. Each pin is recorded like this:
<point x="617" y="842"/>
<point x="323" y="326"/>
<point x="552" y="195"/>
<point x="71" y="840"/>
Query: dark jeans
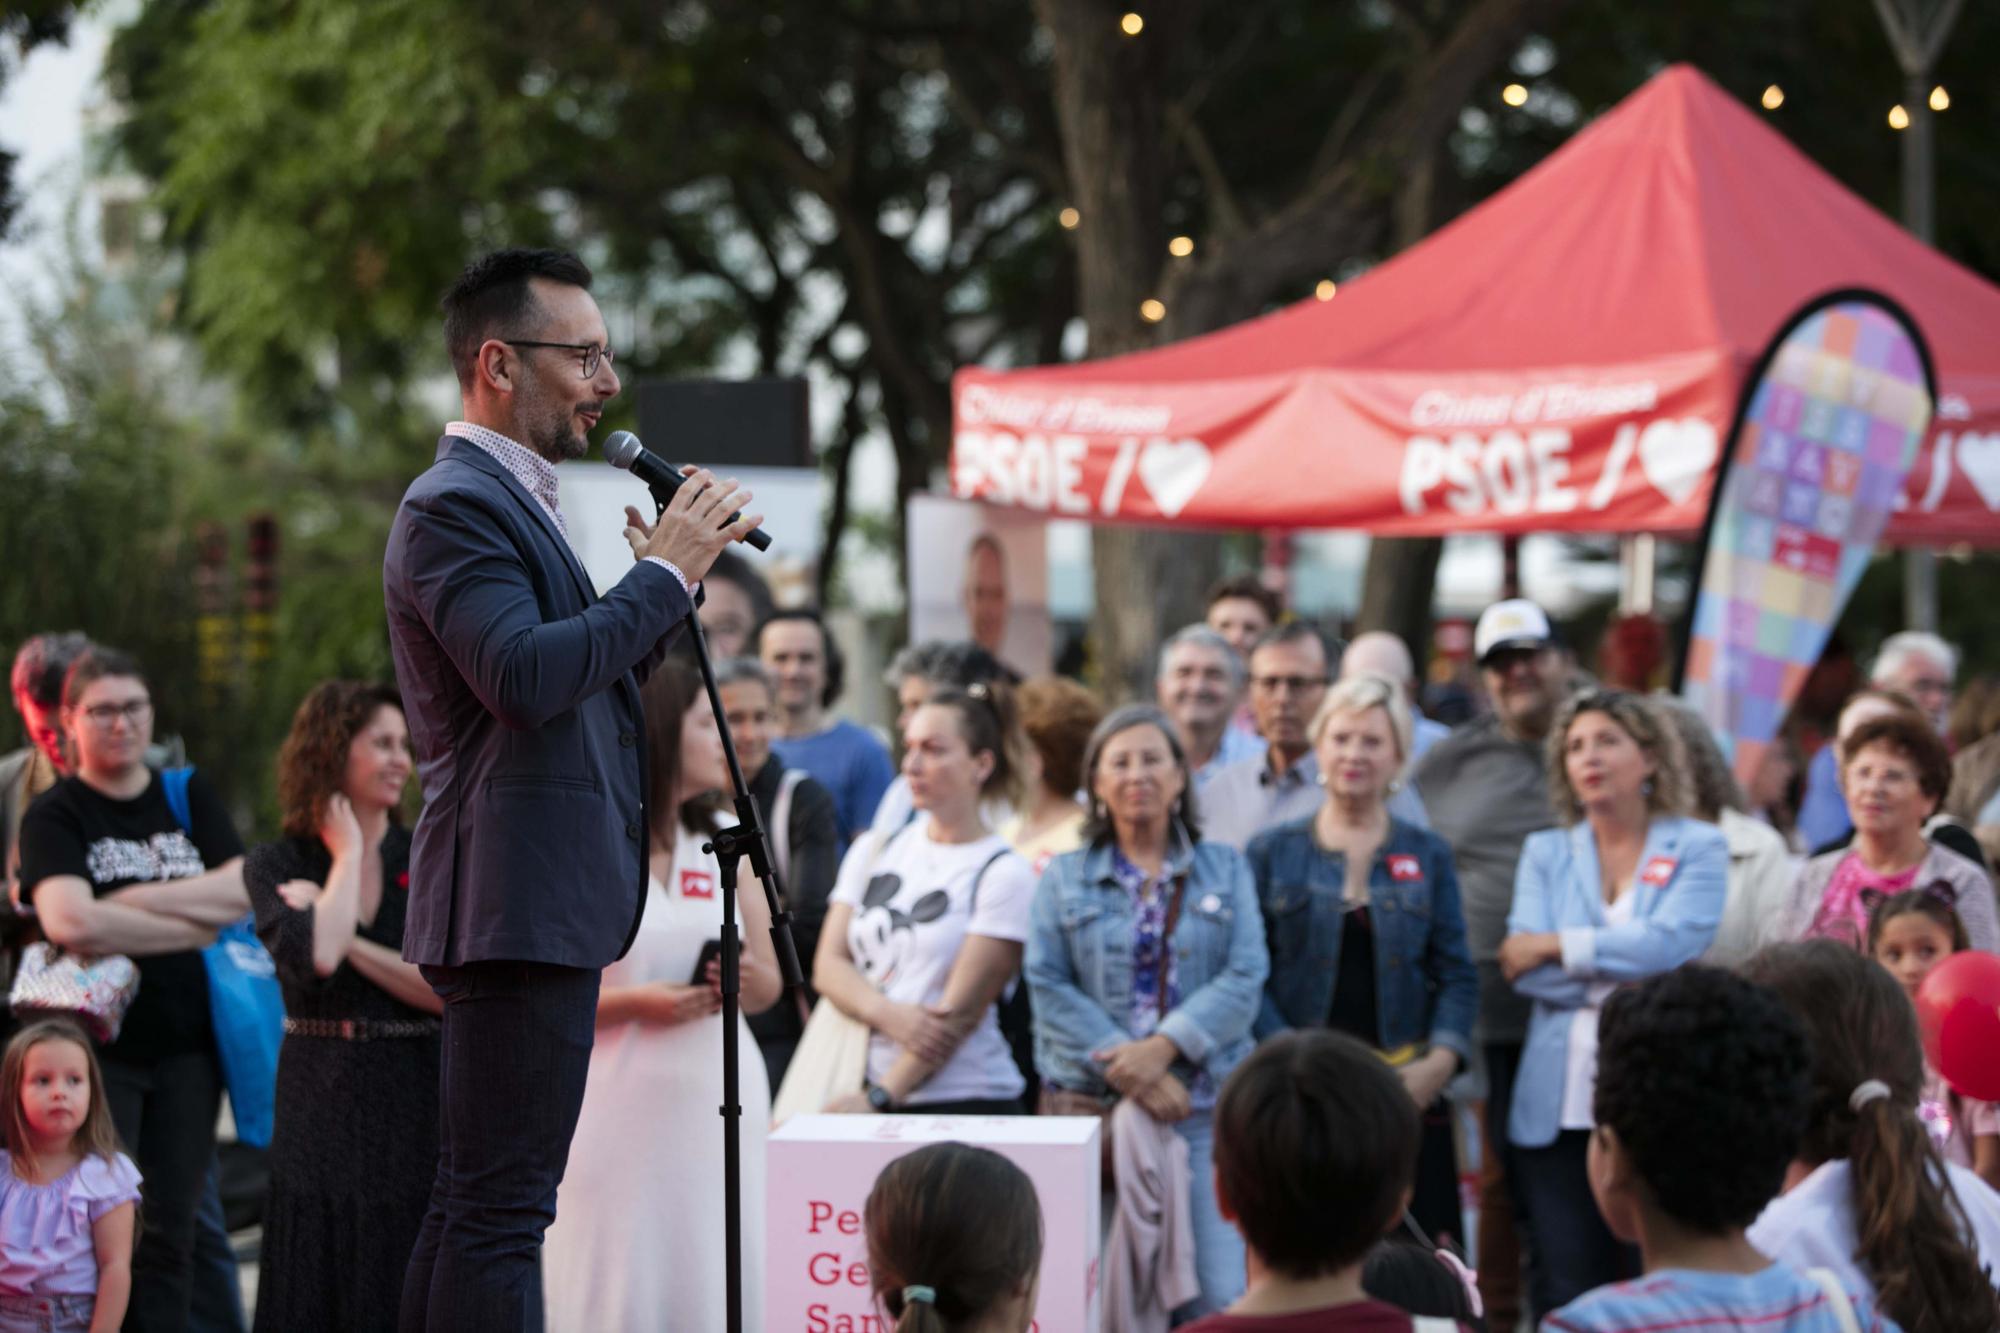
<point x="1503" y="1251"/>
<point x="1575" y="1252"/>
<point x="516" y="1051"/>
<point x="217" y="1305"/>
<point x="165" y="1115"/>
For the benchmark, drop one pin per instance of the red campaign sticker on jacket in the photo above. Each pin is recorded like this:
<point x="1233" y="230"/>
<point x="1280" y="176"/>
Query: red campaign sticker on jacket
<point x="697" y="884"/>
<point x="1658" y="871"/>
<point x="1405" y="869"/>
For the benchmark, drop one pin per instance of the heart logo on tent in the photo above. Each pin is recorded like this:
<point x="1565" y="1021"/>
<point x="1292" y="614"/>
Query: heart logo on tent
<point x="1979" y="459"/>
<point x="1173" y="471"/>
<point x="1677" y="456"/>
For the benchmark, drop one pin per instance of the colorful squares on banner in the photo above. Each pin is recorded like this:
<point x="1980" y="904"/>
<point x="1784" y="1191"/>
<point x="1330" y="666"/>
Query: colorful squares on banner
<point x="1808" y="464"/>
<point x="1808" y="637"/>
<point x="1850" y="430"/>
<point x="1843" y="471"/>
<point x="1872" y="340"/>
<point x="1701" y="652"/>
<point x="1836" y="516"/>
<point x="1902" y="360"/>
<point x="1787" y="405"/>
<point x="1816" y="605"/>
<point x="1708" y="613"/>
<point x="1783" y="590"/>
<point x="1746" y="577"/>
<point x="1816" y="421"/>
<point x="1794" y="678"/>
<point x="1839" y="332"/>
<point x="1756" y="715"/>
<point x="1765" y="675"/>
<point x="1878" y="486"/>
<point x="1831" y="379"/>
<point x="1801" y="504"/>
<point x="1758" y="537"/>
<point x="1774" y="447"/>
<point x="1740" y="625"/>
<point x="1886" y="442"/>
<point x="1774" y="633"/>
<point x="1766" y="494"/>
<point x="1805" y="553"/>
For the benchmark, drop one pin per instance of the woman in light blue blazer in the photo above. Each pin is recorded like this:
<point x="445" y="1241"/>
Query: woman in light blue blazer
<point x="1628" y="888"/>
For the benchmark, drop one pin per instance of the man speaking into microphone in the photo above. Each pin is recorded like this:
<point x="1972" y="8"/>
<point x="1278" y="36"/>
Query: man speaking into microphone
<point x="521" y="685"/>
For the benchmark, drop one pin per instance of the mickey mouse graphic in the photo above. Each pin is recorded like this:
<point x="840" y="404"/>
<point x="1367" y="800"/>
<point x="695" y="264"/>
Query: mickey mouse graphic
<point x="882" y="935"/>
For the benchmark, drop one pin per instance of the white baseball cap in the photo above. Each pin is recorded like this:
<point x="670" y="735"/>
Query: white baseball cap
<point x="1515" y="623"/>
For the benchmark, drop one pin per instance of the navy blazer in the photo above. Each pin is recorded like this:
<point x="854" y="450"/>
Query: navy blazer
<point x="521" y="687"/>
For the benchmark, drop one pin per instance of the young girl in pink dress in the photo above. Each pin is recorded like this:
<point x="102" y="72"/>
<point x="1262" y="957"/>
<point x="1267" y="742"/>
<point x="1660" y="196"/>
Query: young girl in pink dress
<point x="68" y="1197"/>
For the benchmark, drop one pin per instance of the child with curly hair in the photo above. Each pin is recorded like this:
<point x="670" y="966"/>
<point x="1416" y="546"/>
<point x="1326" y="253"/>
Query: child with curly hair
<point x="1701" y="1096"/>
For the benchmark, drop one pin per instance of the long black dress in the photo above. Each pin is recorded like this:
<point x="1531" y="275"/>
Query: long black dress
<point x="355" y="1139"/>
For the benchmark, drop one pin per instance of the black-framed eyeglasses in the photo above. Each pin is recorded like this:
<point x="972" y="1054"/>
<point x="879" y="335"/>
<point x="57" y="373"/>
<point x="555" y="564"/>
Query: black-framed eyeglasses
<point x="133" y="712"/>
<point x="593" y="355"/>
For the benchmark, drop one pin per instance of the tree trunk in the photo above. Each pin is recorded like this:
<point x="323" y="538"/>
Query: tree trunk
<point x="1401" y="576"/>
<point x="1148" y="581"/>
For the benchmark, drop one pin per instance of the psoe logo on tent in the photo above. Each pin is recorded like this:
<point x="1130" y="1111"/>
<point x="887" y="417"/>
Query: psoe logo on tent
<point x="1070" y="474"/>
<point x="1534" y="470"/>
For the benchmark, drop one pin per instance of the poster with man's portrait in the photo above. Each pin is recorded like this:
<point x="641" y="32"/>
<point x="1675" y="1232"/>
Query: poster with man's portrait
<point x="981" y="573"/>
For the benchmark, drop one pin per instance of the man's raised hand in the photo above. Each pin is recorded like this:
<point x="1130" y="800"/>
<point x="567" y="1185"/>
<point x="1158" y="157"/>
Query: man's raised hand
<point x="694" y="527"/>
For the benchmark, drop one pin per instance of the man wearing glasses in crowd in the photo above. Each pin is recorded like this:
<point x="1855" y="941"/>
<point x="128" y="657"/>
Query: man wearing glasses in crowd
<point x="1288" y="678"/>
<point x="521" y="684"/>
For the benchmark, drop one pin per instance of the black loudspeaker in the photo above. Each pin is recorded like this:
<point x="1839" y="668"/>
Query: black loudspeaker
<point x="726" y="423"/>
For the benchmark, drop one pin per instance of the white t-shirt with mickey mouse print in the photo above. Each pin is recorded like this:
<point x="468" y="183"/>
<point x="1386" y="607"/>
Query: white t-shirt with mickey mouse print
<point x="913" y="905"/>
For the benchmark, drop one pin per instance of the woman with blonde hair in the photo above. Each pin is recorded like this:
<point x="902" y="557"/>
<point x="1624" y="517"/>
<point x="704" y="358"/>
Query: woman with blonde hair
<point x="1630" y="887"/>
<point x="1366" y="932"/>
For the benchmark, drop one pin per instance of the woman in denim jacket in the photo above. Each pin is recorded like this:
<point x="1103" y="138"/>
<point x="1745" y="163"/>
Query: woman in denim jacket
<point x="1146" y="964"/>
<point x="1631" y="888"/>
<point x="1362" y="916"/>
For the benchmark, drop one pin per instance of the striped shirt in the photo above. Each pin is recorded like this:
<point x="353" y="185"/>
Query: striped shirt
<point x="1777" y="1299"/>
<point x="537" y="476"/>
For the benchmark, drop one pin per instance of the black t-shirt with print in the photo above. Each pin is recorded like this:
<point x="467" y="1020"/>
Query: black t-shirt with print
<point x="74" y="829"/>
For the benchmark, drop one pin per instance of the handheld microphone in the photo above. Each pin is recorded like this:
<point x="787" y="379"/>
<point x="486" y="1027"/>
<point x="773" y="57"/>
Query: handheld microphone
<point x="623" y="450"/>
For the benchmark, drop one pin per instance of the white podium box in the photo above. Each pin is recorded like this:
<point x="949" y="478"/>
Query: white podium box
<point x="821" y="1167"/>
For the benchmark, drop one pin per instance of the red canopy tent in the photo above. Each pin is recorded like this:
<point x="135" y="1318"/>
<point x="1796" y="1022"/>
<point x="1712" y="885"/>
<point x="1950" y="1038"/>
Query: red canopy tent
<point x="1565" y="357"/>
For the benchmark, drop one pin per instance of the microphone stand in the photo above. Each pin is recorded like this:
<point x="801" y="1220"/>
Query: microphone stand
<point x="729" y="846"/>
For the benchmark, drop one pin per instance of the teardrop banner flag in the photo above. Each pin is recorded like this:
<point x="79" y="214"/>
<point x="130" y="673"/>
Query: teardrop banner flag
<point x="1825" y="435"/>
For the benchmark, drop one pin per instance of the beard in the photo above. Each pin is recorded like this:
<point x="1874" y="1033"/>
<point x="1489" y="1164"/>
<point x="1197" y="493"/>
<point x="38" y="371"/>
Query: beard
<point x="553" y="430"/>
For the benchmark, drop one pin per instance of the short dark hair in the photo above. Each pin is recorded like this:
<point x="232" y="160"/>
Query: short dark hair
<point x="1250" y="589"/>
<point x="1294" y="631"/>
<point x="947" y="663"/>
<point x="1914" y="739"/>
<point x="95" y="663"/>
<point x="729" y="567"/>
<point x="1705" y="1078"/>
<point x="1312" y="1116"/>
<point x="43" y="661"/>
<point x="492" y="299"/>
<point x="830" y="654"/>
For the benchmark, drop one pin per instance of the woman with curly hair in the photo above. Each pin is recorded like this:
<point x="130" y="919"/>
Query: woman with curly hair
<point x="355" y="1139"/>
<point x="1629" y="889"/>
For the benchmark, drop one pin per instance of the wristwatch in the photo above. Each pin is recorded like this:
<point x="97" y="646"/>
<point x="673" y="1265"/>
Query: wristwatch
<point x="878" y="1097"/>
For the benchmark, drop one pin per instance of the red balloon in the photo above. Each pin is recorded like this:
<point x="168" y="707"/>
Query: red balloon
<point x="1958" y="1009"/>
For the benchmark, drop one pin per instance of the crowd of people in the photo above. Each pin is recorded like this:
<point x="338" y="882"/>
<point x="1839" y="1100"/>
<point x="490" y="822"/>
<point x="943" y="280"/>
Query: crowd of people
<point x="1271" y="928"/>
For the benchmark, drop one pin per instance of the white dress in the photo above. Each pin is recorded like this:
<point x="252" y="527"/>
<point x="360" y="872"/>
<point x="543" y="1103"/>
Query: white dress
<point x="637" y="1243"/>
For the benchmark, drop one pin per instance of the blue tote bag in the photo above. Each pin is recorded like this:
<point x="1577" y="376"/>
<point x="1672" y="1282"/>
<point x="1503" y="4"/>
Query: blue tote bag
<point x="245" y="1002"/>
